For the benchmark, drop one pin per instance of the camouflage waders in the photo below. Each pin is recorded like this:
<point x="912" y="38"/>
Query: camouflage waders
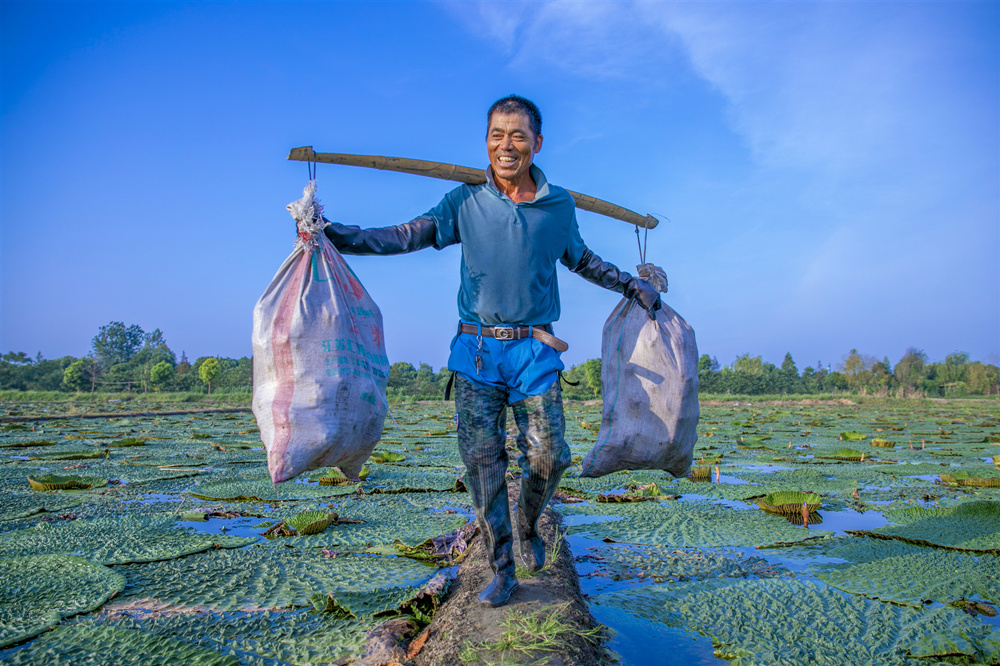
<point x="482" y="418"/>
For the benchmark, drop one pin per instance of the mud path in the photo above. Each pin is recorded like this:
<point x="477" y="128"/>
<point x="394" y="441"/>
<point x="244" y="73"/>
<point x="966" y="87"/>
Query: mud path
<point x="464" y="632"/>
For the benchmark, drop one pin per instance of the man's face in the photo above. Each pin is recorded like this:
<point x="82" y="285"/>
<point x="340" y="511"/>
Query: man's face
<point x="511" y="145"/>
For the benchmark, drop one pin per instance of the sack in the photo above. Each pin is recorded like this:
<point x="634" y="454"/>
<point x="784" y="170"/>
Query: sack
<point x="649" y="380"/>
<point x="319" y="363"/>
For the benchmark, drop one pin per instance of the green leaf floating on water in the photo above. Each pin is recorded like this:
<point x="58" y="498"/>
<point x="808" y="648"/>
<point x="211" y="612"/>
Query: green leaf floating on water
<point x="973" y="526"/>
<point x="116" y="540"/>
<point x="384" y="521"/>
<point x="783" y="621"/>
<point x="271" y="577"/>
<point x="23" y="505"/>
<point x="693" y="524"/>
<point x="310" y="522"/>
<point x="844" y="454"/>
<point x="71" y="455"/>
<point x="37" y="591"/>
<point x="129" y="441"/>
<point x="908" y="574"/>
<point x="964" y="478"/>
<point x="67" y="482"/>
<point x="387" y="456"/>
<point x="262" y="490"/>
<point x="790" y="502"/>
<point x="851" y="436"/>
<point x="268" y="637"/>
<point x="334" y="477"/>
<point x="26" y="443"/>
<point x="103" y="644"/>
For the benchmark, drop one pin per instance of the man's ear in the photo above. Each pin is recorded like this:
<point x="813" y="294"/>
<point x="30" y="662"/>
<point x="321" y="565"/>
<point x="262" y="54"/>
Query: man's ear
<point x="538" y="143"/>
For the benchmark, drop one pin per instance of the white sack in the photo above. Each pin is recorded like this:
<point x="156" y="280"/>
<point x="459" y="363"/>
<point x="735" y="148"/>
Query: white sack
<point x="649" y="381"/>
<point x="319" y="362"/>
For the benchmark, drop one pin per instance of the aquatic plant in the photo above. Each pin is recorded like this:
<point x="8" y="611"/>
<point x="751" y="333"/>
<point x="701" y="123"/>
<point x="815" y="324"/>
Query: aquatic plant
<point x="310" y="522"/>
<point x="67" y="482"/>
<point x="790" y="502"/>
<point x="37" y="591"/>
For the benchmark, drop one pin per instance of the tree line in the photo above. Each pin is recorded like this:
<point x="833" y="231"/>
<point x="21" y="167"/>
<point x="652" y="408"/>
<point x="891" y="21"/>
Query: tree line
<point x="128" y="359"/>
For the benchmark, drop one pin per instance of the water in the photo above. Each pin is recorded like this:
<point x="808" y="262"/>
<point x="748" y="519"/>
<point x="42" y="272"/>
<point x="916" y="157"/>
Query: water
<point x="738" y="505"/>
<point x="641" y="642"/>
<point x="638" y="641"/>
<point x="767" y="469"/>
<point x="849" y="519"/>
<point x="241" y="527"/>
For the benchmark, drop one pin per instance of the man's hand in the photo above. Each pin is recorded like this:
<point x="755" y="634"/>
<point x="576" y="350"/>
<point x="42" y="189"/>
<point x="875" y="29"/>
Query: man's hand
<point x="645" y="294"/>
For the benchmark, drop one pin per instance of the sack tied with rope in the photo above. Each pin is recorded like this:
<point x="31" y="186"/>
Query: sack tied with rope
<point x="319" y="363"/>
<point x="649" y="382"/>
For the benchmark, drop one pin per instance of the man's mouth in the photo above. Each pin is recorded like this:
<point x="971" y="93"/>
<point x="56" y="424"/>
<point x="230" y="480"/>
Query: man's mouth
<point x="506" y="160"/>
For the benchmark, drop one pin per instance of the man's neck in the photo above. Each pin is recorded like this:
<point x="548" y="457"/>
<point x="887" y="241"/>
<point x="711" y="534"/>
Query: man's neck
<point x="519" y="190"/>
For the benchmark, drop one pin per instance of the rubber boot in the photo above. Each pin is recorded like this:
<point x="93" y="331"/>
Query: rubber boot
<point x="544" y="457"/>
<point x="482" y="418"/>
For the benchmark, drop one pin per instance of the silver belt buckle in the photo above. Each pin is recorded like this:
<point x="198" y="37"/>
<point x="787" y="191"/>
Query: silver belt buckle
<point x="503" y="332"/>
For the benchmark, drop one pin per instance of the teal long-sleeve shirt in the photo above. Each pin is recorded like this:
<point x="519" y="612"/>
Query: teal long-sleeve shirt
<point x="509" y="250"/>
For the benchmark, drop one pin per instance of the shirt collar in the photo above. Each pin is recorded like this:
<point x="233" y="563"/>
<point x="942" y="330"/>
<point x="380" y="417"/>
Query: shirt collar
<point x="541" y="183"/>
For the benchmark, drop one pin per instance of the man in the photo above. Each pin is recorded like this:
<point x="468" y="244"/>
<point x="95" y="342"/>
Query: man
<point x="513" y="230"/>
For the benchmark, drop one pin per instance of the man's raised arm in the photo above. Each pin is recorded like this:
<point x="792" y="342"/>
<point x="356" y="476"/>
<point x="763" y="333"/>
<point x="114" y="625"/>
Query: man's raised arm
<point x="604" y="274"/>
<point x="414" y="235"/>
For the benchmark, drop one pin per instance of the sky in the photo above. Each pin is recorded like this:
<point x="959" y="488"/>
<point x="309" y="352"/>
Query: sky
<point x="828" y="173"/>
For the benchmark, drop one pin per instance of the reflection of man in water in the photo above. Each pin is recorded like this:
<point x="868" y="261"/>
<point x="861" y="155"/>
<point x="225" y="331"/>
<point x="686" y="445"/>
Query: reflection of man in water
<point x="513" y="231"/>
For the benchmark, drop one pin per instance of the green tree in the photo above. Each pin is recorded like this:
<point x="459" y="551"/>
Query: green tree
<point x="749" y="365"/>
<point x="911" y="371"/>
<point x="592" y="373"/>
<point x="116" y="343"/>
<point x="81" y="374"/>
<point x="161" y="374"/>
<point x="209" y="371"/>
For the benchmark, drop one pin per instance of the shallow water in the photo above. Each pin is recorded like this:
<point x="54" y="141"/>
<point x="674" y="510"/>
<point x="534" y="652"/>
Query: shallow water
<point x="849" y="519"/>
<point x="241" y="527"/>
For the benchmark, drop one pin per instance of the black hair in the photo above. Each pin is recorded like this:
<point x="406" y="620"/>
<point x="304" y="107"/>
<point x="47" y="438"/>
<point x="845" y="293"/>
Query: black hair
<point x="517" y="104"/>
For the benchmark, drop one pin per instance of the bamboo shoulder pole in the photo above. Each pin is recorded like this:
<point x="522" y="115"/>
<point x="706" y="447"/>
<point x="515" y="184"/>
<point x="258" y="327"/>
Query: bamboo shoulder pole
<point x="461" y="174"/>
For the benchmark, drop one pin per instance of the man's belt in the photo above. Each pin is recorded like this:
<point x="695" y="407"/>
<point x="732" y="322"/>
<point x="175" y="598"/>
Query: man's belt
<point x="516" y="333"/>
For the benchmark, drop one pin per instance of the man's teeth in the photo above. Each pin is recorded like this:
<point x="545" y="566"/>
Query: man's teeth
<point x="507" y="159"/>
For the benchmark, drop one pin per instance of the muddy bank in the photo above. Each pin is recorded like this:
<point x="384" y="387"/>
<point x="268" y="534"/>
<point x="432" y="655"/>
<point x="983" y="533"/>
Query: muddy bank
<point x="547" y="606"/>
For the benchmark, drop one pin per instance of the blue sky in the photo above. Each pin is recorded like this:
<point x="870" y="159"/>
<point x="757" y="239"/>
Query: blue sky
<point x="831" y="171"/>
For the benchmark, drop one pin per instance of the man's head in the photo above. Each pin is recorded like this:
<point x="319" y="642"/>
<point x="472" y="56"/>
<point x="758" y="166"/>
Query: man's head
<point x="513" y="136"/>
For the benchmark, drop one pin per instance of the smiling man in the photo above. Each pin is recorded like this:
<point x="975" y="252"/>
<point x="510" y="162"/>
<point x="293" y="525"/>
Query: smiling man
<point x="513" y="229"/>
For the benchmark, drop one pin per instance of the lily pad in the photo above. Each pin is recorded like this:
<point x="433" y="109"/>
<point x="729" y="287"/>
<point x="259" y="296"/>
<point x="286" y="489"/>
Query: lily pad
<point x="904" y="573"/>
<point x="882" y="443"/>
<point x="851" y="436"/>
<point x="973" y="527"/>
<point x="790" y="502"/>
<point x="310" y="522"/>
<point x="790" y="621"/>
<point x="71" y="455"/>
<point x="850" y="455"/>
<point x="37" y="591"/>
<point x="262" y="490"/>
<point x="116" y="540"/>
<point x="103" y="644"/>
<point x="129" y="441"/>
<point x="271" y="577"/>
<point x="68" y="482"/>
<point x="686" y="524"/>
<point x="963" y="478"/>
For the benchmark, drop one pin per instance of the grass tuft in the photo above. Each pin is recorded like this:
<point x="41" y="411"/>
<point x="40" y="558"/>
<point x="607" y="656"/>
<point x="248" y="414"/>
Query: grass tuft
<point x="523" y="634"/>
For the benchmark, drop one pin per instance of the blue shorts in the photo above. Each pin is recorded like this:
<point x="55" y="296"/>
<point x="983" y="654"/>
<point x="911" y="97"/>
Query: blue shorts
<point x="521" y="367"/>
